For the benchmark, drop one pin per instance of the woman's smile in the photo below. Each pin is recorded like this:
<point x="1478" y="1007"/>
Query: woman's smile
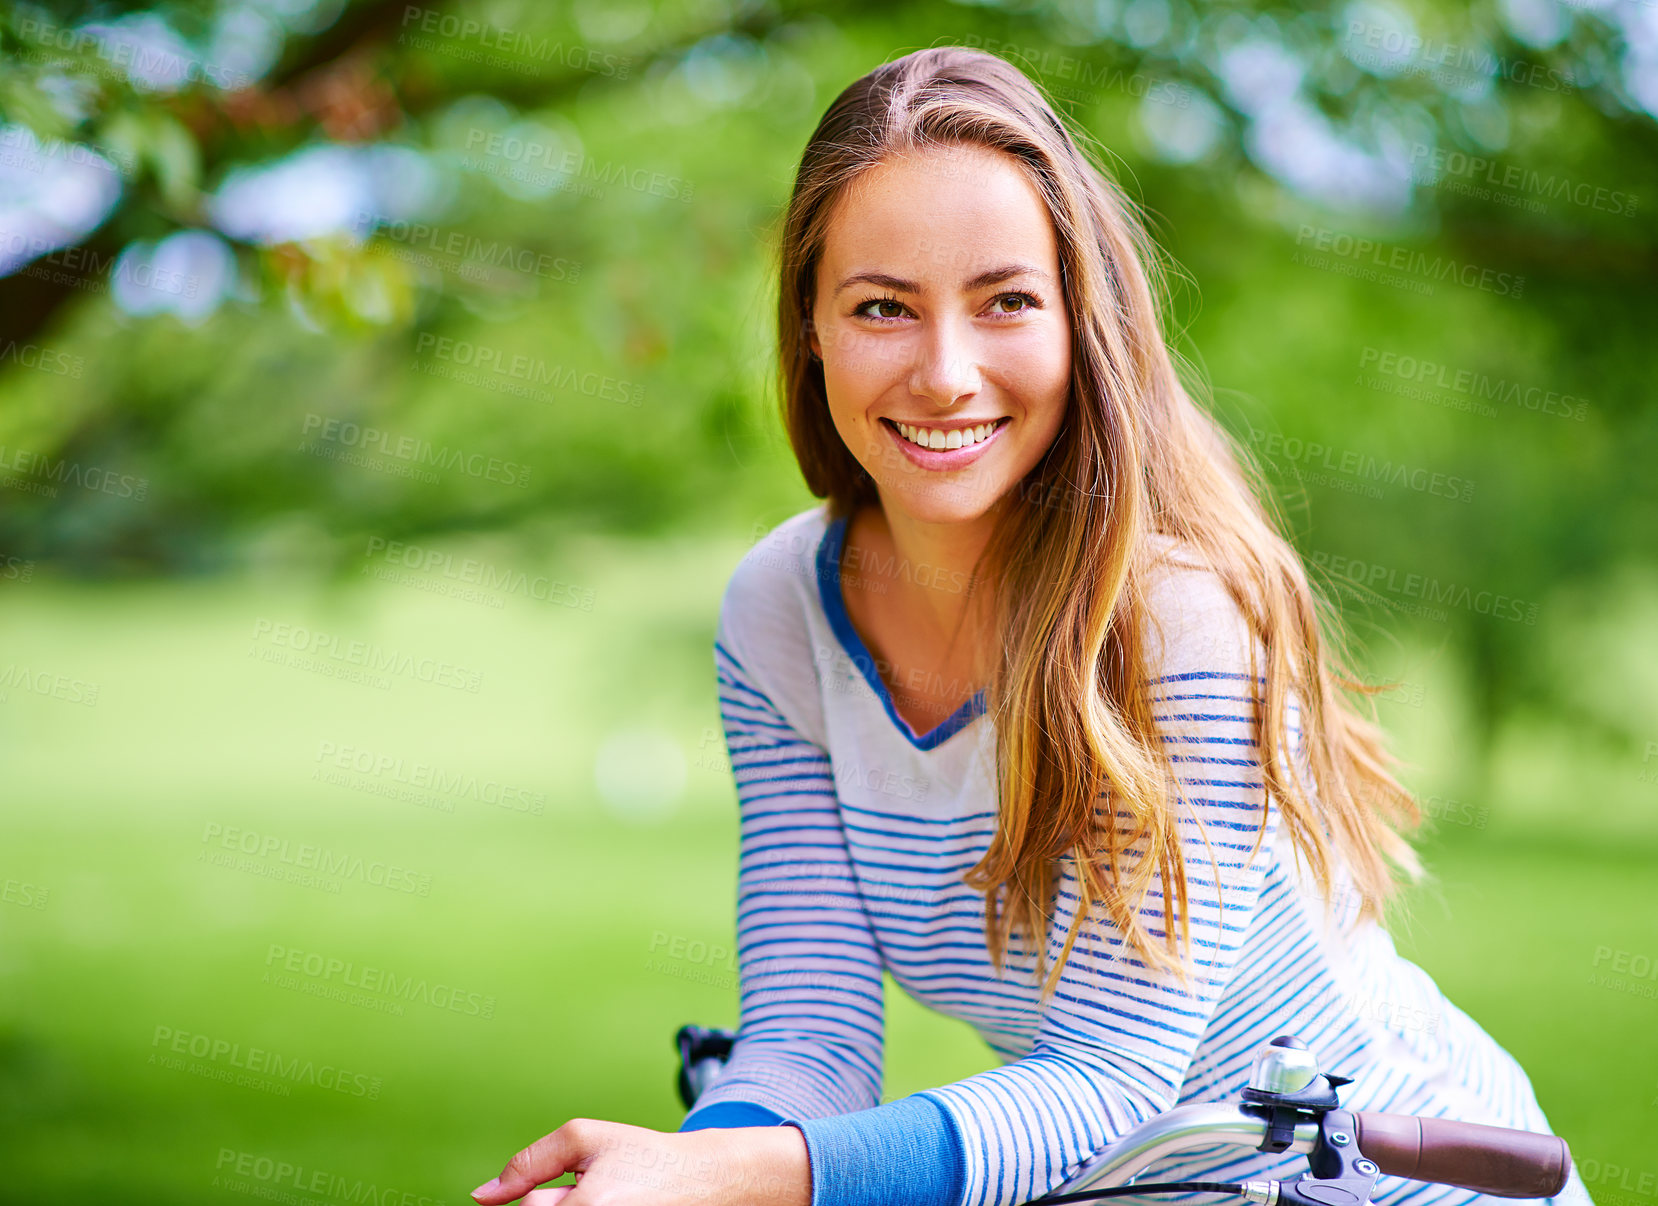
<point x="946" y="444"/>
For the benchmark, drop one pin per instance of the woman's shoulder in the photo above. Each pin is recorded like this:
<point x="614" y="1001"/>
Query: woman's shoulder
<point x="767" y="615"/>
<point x="1197" y="624"/>
<point x="779" y="571"/>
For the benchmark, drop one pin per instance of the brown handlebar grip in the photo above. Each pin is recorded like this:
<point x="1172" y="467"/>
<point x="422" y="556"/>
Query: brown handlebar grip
<point x="1487" y="1159"/>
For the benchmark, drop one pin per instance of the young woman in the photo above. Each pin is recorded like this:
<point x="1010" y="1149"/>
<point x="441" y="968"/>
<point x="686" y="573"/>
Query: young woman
<point x="1034" y="713"/>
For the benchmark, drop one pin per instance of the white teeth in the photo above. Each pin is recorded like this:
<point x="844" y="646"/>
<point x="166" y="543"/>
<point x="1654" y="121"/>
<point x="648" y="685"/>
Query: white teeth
<point x="960" y="437"/>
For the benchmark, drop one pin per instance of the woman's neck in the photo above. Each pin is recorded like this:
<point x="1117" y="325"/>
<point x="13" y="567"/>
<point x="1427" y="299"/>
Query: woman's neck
<point x="927" y="569"/>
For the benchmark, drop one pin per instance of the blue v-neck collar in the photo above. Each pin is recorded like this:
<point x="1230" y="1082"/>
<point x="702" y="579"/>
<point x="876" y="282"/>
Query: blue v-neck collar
<point x="834" y="606"/>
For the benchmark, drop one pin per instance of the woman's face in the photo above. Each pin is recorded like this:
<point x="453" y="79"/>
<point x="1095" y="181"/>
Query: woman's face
<point x="941" y="321"/>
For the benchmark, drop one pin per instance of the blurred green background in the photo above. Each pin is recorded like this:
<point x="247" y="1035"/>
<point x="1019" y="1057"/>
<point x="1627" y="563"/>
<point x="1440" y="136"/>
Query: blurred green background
<point x="529" y="247"/>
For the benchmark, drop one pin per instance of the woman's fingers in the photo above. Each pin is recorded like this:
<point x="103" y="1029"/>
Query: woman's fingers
<point x="551" y="1196"/>
<point x="568" y="1149"/>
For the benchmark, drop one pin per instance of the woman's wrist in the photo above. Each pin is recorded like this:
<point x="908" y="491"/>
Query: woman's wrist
<point x="777" y="1170"/>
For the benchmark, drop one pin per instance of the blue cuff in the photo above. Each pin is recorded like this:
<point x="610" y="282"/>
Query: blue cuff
<point x="905" y="1153"/>
<point x="729" y="1114"/>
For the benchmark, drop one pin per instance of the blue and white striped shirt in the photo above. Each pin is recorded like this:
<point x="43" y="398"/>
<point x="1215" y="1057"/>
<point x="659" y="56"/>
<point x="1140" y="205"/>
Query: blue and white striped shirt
<point x="855" y="834"/>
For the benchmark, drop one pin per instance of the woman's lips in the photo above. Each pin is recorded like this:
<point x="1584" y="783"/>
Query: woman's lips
<point x="945" y="458"/>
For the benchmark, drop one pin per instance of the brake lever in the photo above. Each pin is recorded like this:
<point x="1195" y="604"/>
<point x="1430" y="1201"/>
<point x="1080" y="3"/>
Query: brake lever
<point x="1340" y="1175"/>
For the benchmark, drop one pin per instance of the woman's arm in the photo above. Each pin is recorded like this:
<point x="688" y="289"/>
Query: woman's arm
<point x="810" y="1035"/>
<point x="809" y="1044"/>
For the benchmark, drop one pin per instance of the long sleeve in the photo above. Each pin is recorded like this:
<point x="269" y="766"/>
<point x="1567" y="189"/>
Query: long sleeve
<point x="809" y="1039"/>
<point x="809" y="1042"/>
<point x="729" y="1114"/>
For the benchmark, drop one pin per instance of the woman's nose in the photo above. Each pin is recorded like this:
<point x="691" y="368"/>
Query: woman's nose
<point x="946" y="367"/>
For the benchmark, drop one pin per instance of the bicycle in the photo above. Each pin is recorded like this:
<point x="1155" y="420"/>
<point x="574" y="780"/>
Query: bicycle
<point x="1287" y="1106"/>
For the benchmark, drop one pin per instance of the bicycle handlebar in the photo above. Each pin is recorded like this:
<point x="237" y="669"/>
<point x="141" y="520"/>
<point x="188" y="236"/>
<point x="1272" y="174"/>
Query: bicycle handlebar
<point x="1486" y="1159"/>
<point x="1288" y="1107"/>
<point x="1188" y="1126"/>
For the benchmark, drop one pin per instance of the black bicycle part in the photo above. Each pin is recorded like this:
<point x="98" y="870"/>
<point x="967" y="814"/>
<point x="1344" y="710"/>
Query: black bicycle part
<point x="696" y="1045"/>
<point x="1125" y="1191"/>
<point x="1341" y="1176"/>
<point x="1284" y="1111"/>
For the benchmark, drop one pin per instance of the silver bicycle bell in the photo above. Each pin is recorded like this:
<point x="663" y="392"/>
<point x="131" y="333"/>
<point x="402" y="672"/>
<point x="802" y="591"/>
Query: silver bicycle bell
<point x="1283" y="1066"/>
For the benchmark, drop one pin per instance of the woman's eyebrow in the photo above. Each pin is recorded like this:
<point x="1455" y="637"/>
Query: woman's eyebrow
<point x="997" y="275"/>
<point x="898" y="284"/>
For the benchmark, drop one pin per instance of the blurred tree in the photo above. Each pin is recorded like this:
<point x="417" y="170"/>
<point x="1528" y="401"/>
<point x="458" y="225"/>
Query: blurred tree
<point x="538" y="236"/>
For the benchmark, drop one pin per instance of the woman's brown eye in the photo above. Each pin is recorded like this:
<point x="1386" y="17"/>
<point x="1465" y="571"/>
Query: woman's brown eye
<point x="1016" y="302"/>
<point x="894" y="308"/>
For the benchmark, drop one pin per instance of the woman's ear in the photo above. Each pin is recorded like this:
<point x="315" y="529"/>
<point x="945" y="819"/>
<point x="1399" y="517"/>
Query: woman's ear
<point x="811" y="338"/>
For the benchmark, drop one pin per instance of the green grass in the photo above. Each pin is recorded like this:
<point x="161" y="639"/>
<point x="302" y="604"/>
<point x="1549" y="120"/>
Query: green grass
<point x="563" y="922"/>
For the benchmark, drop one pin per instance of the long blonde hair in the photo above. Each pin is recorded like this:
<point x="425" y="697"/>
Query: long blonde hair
<point x="1069" y="560"/>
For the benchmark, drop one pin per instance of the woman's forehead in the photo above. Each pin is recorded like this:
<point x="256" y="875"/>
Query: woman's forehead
<point x="938" y="215"/>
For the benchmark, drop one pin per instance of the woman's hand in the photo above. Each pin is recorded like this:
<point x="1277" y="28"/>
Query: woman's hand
<point x="619" y="1165"/>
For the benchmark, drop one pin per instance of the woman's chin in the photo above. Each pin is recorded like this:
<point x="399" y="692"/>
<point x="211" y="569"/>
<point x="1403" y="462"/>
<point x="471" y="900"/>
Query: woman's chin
<point x="939" y="503"/>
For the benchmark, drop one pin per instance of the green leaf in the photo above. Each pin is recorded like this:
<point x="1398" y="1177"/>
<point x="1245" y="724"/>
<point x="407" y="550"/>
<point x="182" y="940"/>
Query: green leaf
<point x="176" y="161"/>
